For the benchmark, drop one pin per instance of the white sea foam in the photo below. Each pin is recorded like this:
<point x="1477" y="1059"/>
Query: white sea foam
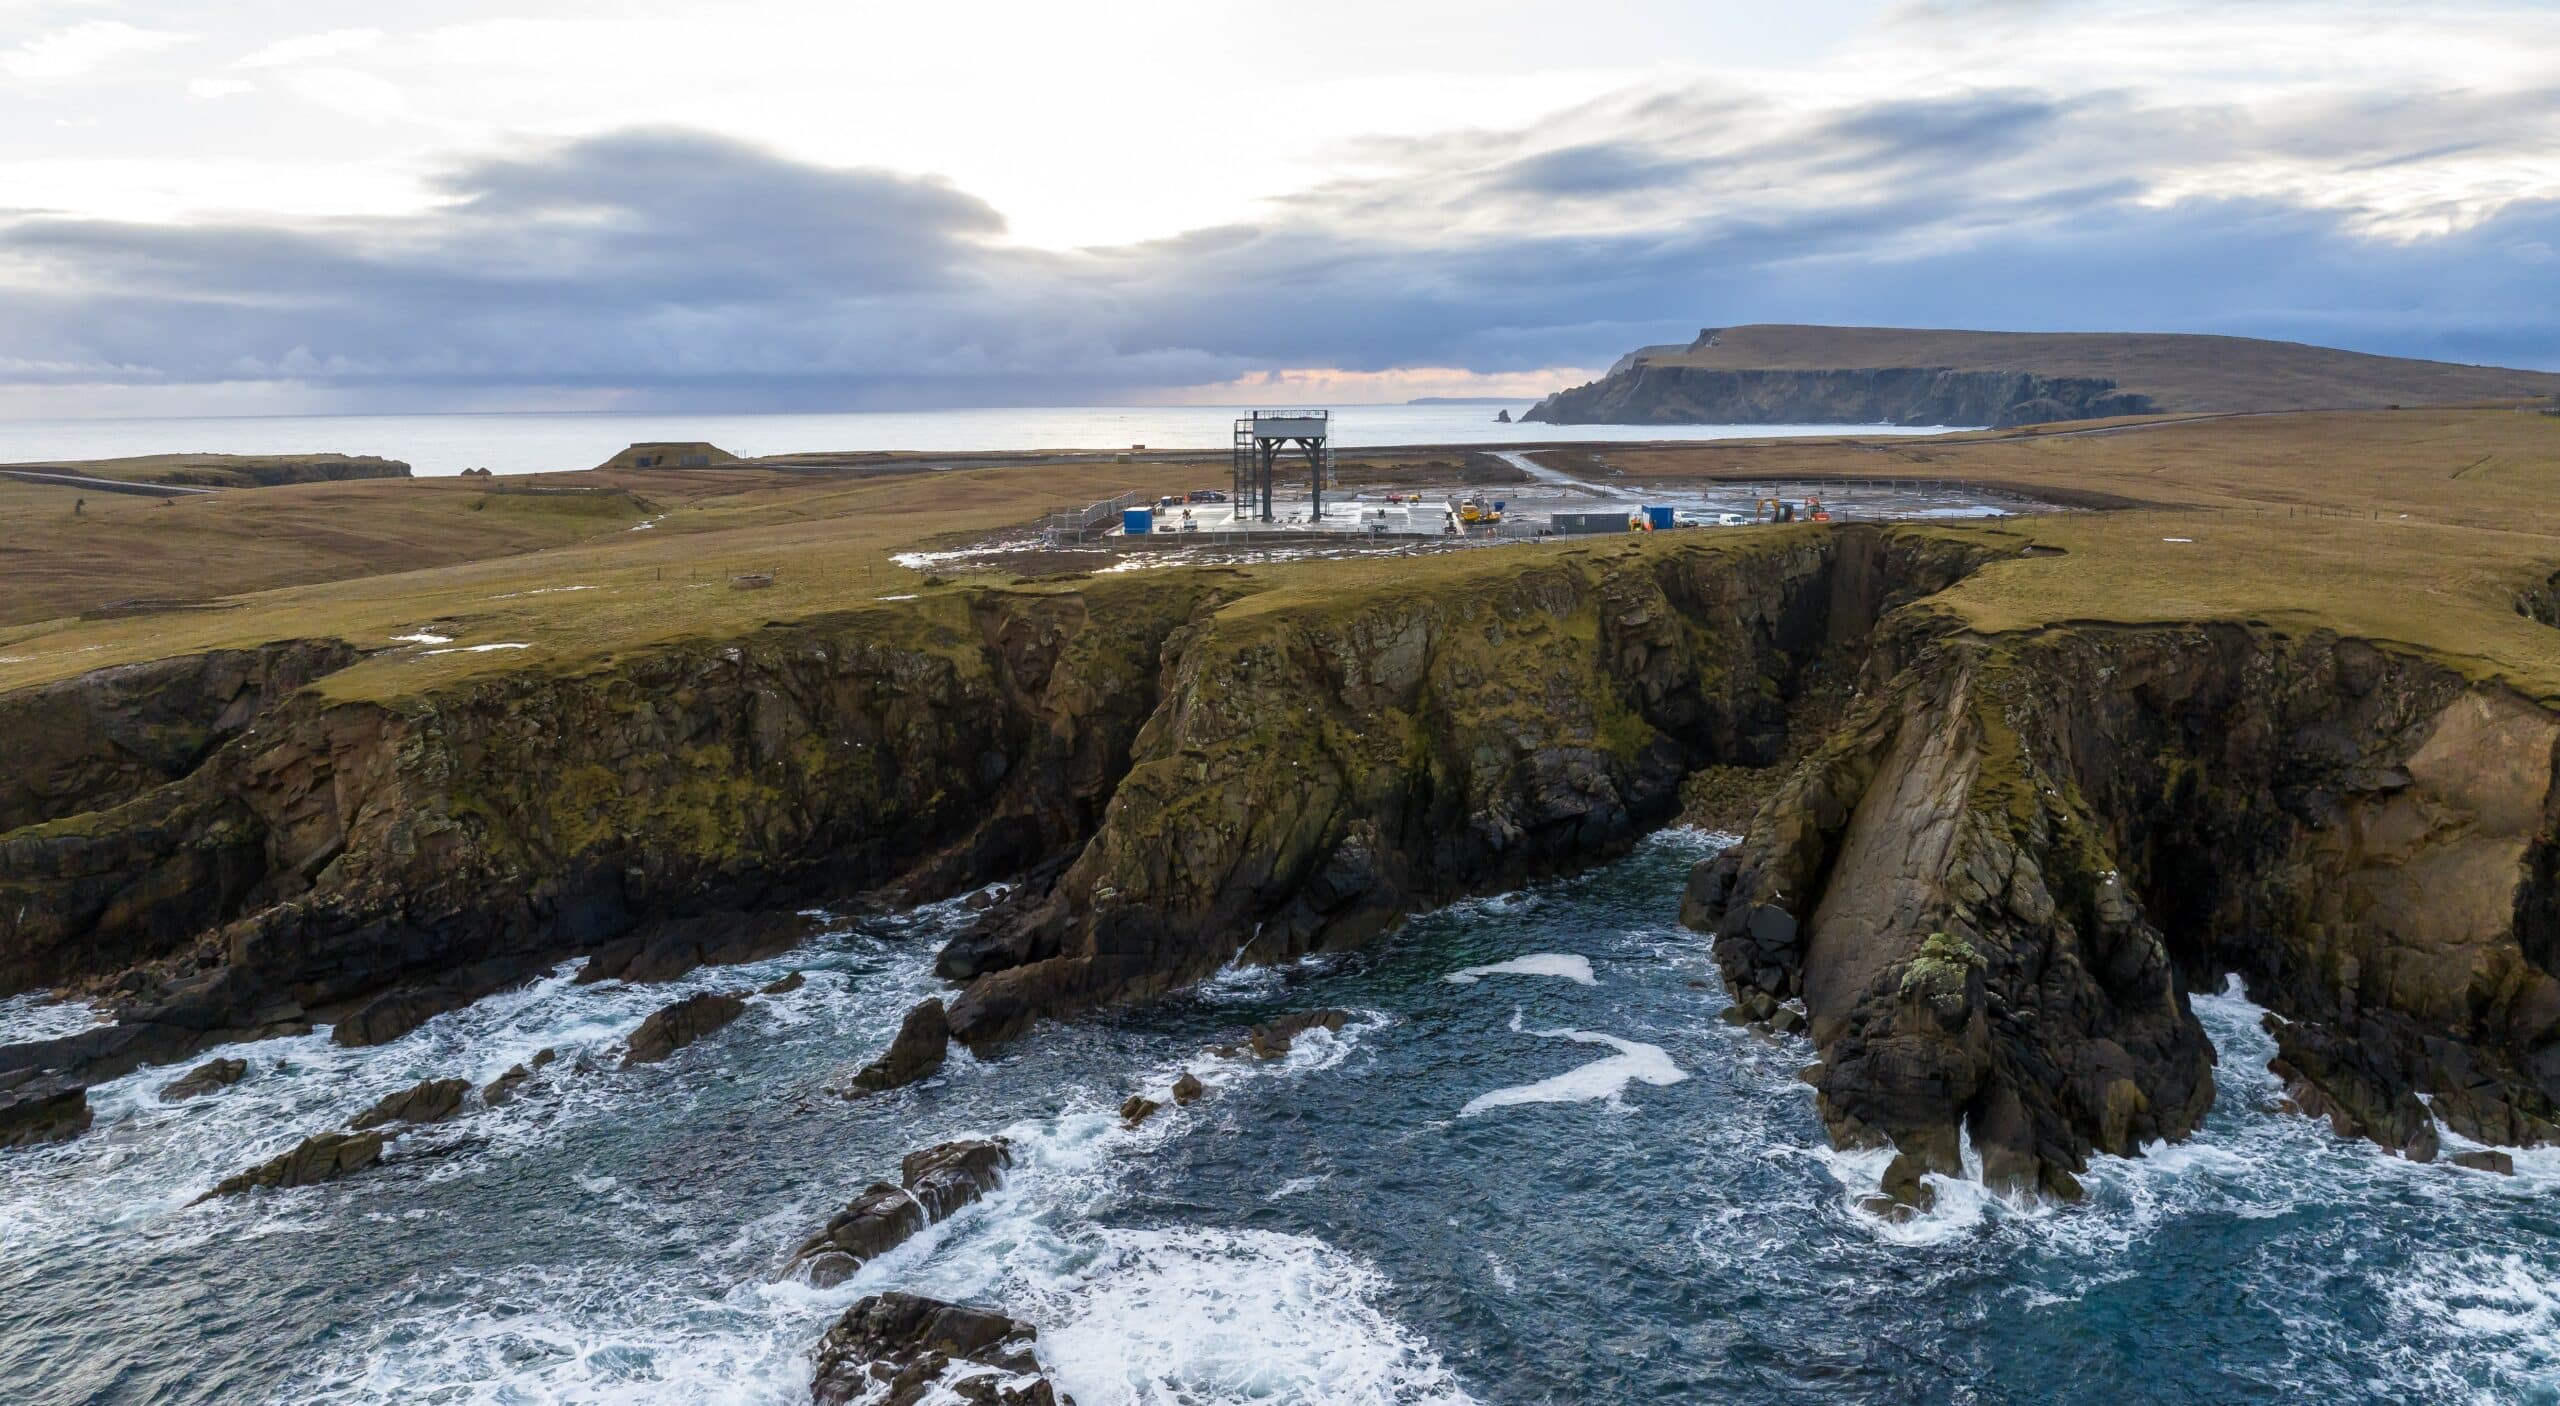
<point x="36" y="1015"/>
<point x="2500" y="1313"/>
<point x="1599" y="1079"/>
<point x="1198" y="1315"/>
<point x="145" y="1161"/>
<point x="1265" y="1318"/>
<point x="1691" y="840"/>
<point x="1295" y="1185"/>
<point x="1571" y="966"/>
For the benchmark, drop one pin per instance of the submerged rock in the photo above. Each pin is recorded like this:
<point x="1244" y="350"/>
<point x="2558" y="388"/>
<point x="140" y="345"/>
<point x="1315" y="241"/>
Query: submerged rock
<point x="37" y="1109"/>
<point x="784" y="986"/>
<point x="903" y="1349"/>
<point x="922" y="1043"/>
<point x="502" y="1090"/>
<point x="934" y="1183"/>
<point x="204" y="1079"/>
<point x="429" y="1101"/>
<point x="680" y="1024"/>
<point x="318" y="1158"/>
<point x="1274" y="1038"/>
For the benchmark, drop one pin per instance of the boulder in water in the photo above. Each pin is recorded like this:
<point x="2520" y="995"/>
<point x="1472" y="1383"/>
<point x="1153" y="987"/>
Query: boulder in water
<point x="429" y="1101"/>
<point x="1138" y="1109"/>
<point x="2485" y="1159"/>
<point x="934" y="1183"/>
<point x="35" y="1110"/>
<point x="950" y="1175"/>
<point x="922" y="1043"/>
<point x="205" y="1078"/>
<point x="318" y="1158"/>
<point x="784" y="986"/>
<point x="903" y="1349"/>
<point x="680" y="1024"/>
<point x="1188" y="1088"/>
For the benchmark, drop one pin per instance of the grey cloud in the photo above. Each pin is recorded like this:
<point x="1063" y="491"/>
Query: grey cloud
<point x="1592" y="169"/>
<point x="693" y="271"/>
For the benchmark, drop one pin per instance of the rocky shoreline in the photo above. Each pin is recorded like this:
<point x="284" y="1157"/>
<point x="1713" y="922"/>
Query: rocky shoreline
<point x="1985" y="874"/>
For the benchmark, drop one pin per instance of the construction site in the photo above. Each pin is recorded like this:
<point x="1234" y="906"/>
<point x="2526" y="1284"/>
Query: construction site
<point x="1285" y="490"/>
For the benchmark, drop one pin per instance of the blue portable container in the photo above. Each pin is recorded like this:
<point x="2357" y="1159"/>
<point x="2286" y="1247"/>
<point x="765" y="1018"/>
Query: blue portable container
<point x="1660" y="519"/>
<point x="1137" y="522"/>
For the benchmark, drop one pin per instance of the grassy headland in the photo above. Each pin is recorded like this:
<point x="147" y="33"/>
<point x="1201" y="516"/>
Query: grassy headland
<point x="2416" y="528"/>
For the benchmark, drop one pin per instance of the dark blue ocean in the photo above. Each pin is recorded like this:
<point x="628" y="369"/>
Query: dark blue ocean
<point x="1536" y="1168"/>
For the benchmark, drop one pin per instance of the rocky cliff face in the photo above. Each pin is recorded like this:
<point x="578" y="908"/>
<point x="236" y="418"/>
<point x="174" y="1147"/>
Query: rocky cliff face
<point x="106" y="737"/>
<point x="1644" y="394"/>
<point x="1993" y="887"/>
<point x="1989" y="881"/>
<point x="1317" y="770"/>
<point x="335" y="851"/>
<point x="1177" y="784"/>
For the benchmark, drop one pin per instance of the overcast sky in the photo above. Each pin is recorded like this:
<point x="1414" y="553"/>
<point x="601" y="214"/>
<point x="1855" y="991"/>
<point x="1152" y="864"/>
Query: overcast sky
<point x="272" y="206"/>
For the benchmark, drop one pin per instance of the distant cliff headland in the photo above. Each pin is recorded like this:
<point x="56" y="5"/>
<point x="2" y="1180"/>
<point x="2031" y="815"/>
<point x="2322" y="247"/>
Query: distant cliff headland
<point x="1781" y="374"/>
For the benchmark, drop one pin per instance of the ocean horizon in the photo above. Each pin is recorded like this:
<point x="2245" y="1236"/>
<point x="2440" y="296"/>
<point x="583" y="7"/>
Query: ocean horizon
<point x="514" y="442"/>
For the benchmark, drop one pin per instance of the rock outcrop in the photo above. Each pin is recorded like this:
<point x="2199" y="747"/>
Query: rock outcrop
<point x="931" y="1185"/>
<point x="104" y="738"/>
<point x="680" y="1023"/>
<point x="318" y="1158"/>
<point x="1994" y="886"/>
<point x="922" y="1043"/>
<point x="204" y="1079"/>
<point x="2541" y="601"/>
<point x="501" y="1091"/>
<point x="428" y="1101"/>
<point x="35" y="1109"/>
<point x="904" y="1350"/>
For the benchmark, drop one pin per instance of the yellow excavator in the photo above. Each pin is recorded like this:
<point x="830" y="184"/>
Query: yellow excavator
<point x="1475" y="510"/>
<point x="1780" y="510"/>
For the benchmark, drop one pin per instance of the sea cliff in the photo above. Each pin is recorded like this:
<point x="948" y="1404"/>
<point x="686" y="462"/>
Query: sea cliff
<point x="1991" y="870"/>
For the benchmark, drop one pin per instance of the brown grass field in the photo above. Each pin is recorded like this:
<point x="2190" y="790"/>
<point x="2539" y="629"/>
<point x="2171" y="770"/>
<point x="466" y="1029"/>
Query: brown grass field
<point x="2414" y="528"/>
